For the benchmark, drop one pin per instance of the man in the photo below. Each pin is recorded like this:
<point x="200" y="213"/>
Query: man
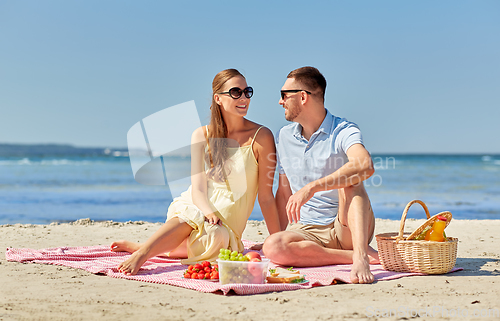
<point x="322" y="164"/>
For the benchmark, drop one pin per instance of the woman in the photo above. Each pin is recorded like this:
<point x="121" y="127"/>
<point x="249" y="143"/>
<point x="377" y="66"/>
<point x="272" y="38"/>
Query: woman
<point x="231" y="159"/>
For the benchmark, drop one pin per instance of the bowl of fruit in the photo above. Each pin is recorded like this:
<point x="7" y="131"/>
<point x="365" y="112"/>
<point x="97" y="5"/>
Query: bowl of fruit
<point x="235" y="267"/>
<point x="202" y="271"/>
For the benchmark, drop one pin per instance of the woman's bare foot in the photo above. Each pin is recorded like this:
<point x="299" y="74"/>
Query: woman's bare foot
<point x="360" y="272"/>
<point x="133" y="264"/>
<point x="125" y="246"/>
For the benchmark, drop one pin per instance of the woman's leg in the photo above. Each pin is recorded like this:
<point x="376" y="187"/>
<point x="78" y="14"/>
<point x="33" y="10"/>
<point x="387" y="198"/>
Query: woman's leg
<point x="166" y="239"/>
<point x="127" y="246"/>
<point x="180" y="252"/>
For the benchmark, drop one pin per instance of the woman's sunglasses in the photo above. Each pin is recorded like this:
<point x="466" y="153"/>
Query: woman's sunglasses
<point x="236" y="92"/>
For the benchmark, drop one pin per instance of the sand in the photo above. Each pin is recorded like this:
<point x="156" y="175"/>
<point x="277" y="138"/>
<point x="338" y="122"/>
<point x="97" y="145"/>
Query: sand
<point x="47" y="292"/>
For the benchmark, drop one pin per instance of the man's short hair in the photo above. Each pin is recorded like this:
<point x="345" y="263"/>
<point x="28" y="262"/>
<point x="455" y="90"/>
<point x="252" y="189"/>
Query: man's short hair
<point x="311" y="79"/>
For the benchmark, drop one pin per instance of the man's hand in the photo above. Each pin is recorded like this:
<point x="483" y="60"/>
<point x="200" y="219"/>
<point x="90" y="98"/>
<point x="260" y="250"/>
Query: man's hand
<point x="296" y="201"/>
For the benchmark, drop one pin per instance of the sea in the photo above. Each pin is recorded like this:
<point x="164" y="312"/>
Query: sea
<point x="41" y="184"/>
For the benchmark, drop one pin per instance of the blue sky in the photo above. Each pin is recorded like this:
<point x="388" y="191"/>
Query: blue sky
<point x="416" y="76"/>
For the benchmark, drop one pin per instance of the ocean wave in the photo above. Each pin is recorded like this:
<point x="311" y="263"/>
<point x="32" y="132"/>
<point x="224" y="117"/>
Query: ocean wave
<point x="491" y="160"/>
<point x="43" y="162"/>
<point x="57" y="162"/>
<point x="115" y="153"/>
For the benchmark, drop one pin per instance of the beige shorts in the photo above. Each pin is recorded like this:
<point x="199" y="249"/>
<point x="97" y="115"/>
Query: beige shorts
<point x="333" y="236"/>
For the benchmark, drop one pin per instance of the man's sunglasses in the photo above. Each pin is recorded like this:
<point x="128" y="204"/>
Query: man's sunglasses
<point x="236" y="92"/>
<point x="283" y="92"/>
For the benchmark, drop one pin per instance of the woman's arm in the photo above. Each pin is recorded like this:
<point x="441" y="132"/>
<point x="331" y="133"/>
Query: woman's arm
<point x="265" y="150"/>
<point x="282" y="195"/>
<point x="198" y="176"/>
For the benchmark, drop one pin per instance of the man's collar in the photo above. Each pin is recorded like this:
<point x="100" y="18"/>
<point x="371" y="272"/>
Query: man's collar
<point x="297" y="133"/>
<point x="325" y="127"/>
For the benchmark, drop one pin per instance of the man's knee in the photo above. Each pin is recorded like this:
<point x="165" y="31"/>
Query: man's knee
<point x="353" y="199"/>
<point x="352" y="191"/>
<point x="278" y="247"/>
<point x="271" y="245"/>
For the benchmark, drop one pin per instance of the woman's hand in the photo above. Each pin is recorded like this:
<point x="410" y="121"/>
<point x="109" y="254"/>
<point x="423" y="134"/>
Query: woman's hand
<point x="212" y="219"/>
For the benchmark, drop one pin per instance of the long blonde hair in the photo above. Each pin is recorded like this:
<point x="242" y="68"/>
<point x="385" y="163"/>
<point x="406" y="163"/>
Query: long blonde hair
<point x="217" y="133"/>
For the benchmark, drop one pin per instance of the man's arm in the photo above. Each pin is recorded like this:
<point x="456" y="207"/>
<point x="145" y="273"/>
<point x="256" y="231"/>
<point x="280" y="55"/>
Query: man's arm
<point x="356" y="170"/>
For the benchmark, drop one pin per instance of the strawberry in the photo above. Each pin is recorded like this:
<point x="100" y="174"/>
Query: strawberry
<point x="203" y="270"/>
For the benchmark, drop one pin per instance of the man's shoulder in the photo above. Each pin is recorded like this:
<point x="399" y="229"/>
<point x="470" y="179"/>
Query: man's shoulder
<point x="286" y="131"/>
<point x="340" y="123"/>
<point x="288" y="128"/>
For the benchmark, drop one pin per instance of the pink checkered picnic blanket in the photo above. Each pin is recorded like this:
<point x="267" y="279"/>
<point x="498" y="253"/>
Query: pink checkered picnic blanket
<point x="100" y="260"/>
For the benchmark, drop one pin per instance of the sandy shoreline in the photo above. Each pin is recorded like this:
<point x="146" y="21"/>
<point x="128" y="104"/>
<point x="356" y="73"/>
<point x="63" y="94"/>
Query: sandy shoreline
<point x="42" y="292"/>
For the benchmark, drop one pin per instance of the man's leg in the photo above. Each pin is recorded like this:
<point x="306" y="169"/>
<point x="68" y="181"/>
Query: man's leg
<point x="358" y="222"/>
<point x="292" y="249"/>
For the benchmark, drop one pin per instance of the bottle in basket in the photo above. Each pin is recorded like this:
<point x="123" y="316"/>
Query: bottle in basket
<point x="436" y="233"/>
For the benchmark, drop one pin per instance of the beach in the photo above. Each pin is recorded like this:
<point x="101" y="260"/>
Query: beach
<point x="43" y="292"/>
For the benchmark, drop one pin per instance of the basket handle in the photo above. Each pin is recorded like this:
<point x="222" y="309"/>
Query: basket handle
<point x="403" y="218"/>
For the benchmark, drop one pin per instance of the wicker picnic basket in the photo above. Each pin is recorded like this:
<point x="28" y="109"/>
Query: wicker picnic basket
<point x="400" y="252"/>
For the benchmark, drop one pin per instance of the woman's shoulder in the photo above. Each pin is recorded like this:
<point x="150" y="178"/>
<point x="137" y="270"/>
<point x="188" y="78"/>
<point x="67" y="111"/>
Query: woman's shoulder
<point x="263" y="135"/>
<point x="199" y="134"/>
<point x="253" y="126"/>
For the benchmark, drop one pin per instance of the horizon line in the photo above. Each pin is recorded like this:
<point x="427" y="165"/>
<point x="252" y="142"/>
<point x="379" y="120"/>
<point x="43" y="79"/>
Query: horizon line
<point x="428" y="153"/>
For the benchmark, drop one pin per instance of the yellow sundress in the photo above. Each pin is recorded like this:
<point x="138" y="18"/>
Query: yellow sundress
<point x="231" y="201"/>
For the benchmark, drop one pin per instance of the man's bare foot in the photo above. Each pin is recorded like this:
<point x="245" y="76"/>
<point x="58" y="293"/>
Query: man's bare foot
<point x="360" y="272"/>
<point x="257" y="247"/>
<point x="125" y="246"/>
<point x="133" y="264"/>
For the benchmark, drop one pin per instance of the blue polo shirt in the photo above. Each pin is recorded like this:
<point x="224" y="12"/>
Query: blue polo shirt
<point x="305" y="161"/>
